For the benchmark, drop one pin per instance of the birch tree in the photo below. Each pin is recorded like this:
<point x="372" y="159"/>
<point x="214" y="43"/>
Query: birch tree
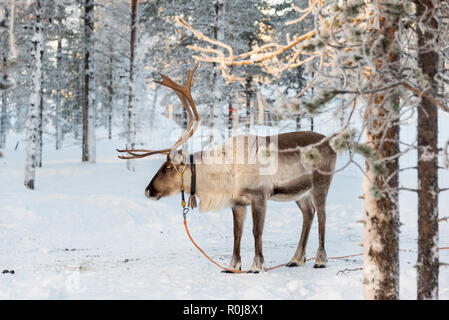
<point x="8" y="43"/>
<point x="41" y="94"/>
<point x="110" y="89"/>
<point x="88" y="153"/>
<point x="131" y="126"/>
<point x="59" y="78"/>
<point x="3" y="78"/>
<point x="219" y="33"/>
<point x="3" y="120"/>
<point x="33" y="113"/>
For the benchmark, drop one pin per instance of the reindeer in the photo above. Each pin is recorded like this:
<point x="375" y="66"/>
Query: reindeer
<point x="238" y="179"/>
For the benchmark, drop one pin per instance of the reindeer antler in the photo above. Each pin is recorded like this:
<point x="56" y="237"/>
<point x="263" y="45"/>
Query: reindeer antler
<point x="183" y="93"/>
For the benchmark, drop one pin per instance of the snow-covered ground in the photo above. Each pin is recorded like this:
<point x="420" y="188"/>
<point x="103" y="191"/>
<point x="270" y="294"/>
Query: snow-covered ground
<point x="88" y="232"/>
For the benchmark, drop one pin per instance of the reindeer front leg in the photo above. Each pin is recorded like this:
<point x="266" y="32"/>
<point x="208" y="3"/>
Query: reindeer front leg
<point x="258" y="209"/>
<point x="239" y="214"/>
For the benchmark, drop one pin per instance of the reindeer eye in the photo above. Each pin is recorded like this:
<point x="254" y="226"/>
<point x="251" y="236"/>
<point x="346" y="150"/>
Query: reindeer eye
<point x="169" y="167"/>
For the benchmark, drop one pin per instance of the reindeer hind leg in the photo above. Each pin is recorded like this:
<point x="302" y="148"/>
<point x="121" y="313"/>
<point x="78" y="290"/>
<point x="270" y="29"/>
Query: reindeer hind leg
<point x="308" y="212"/>
<point x="320" y="189"/>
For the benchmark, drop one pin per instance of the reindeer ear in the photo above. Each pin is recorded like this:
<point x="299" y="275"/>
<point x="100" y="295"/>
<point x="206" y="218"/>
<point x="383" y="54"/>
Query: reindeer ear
<point x="179" y="157"/>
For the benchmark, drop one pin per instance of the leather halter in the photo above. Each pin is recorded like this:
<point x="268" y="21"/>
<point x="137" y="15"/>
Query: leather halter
<point x="192" y="197"/>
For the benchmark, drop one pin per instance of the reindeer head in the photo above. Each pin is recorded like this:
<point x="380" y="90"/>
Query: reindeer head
<point x="168" y="179"/>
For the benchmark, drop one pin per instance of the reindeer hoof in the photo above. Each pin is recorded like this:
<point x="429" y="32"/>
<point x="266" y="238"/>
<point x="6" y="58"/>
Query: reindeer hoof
<point x="319" y="266"/>
<point x="230" y="271"/>
<point x="296" y="264"/>
<point x="292" y="264"/>
<point x="253" y="271"/>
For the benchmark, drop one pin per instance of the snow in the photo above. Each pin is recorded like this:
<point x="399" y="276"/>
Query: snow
<point x="88" y="232"/>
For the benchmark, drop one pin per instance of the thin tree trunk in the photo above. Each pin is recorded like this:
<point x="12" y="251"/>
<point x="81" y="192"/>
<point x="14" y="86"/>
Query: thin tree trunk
<point x="33" y="113"/>
<point x="41" y="97"/>
<point x="311" y="117"/>
<point x="110" y="89"/>
<point x="58" y="131"/>
<point x="428" y="259"/>
<point x="248" y="95"/>
<point x="3" y="121"/>
<point x="298" y="122"/>
<point x="230" y="122"/>
<point x="381" y="207"/>
<point x="153" y="111"/>
<point x="74" y="112"/>
<point x="230" y="116"/>
<point x="218" y="80"/>
<point x="4" y="116"/>
<point x="40" y="127"/>
<point x="184" y="118"/>
<point x="77" y="111"/>
<point x="131" y="131"/>
<point x="88" y="93"/>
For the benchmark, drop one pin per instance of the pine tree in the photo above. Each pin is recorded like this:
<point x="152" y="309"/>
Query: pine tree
<point x="427" y="127"/>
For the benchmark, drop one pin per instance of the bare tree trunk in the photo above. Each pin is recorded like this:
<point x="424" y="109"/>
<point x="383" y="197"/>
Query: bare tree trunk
<point x="428" y="259"/>
<point x="218" y="80"/>
<point x="248" y="95"/>
<point x="184" y="118"/>
<point x="58" y="131"/>
<point x="3" y="121"/>
<point x="381" y="206"/>
<point x="311" y="117"/>
<point x="41" y="100"/>
<point x="153" y="110"/>
<point x="88" y="93"/>
<point x="131" y="130"/>
<point x="40" y="128"/>
<point x="230" y="120"/>
<point x="33" y="113"/>
<point x="77" y="111"/>
<point x="230" y="115"/>
<point x="110" y="89"/>
<point x="4" y="116"/>
<point x="298" y="122"/>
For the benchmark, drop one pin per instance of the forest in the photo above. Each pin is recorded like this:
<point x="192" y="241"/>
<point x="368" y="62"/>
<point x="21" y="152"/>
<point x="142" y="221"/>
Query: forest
<point x="83" y="86"/>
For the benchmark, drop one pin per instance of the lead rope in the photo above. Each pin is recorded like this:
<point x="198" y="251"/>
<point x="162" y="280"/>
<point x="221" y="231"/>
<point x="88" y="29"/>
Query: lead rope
<point x="185" y="211"/>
